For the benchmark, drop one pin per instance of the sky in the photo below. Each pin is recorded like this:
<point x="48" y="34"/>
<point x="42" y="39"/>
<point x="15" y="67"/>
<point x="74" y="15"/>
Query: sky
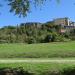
<point x="48" y="11"/>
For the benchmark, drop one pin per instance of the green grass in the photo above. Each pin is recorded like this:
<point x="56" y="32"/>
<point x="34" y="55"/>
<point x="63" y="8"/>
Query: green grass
<point x="39" y="67"/>
<point x="44" y="50"/>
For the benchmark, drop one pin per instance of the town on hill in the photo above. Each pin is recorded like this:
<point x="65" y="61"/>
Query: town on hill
<point x="60" y="29"/>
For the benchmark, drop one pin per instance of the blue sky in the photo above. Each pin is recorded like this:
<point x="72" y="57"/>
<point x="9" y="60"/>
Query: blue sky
<point x="48" y="12"/>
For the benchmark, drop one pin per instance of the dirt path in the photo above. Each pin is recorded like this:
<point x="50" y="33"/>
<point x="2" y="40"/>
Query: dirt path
<point x="37" y="61"/>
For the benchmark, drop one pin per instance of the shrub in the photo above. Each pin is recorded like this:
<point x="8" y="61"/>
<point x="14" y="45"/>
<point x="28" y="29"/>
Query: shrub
<point x="14" y="71"/>
<point x="69" y="71"/>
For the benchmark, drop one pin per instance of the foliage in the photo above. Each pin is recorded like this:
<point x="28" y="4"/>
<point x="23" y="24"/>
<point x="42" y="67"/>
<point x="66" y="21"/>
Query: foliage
<point x="16" y="71"/>
<point x="40" y="68"/>
<point x="23" y="7"/>
<point x="29" y="33"/>
<point x="34" y="33"/>
<point x="69" y="71"/>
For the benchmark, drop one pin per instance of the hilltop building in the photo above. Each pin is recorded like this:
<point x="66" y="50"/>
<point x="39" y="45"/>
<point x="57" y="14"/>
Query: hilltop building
<point x="32" y="24"/>
<point x="65" y="23"/>
<point x="62" y="21"/>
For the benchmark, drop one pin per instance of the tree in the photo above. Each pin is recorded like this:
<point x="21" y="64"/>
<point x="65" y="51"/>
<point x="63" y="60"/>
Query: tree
<point x="22" y="7"/>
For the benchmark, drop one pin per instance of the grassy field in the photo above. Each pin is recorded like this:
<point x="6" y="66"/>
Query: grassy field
<point x="39" y="67"/>
<point x="44" y="50"/>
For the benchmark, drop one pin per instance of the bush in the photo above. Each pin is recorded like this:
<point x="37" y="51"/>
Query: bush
<point x="72" y="38"/>
<point x="48" y="38"/>
<point x="31" y="40"/>
<point x="69" y="71"/>
<point x="61" y="38"/>
<point x="14" y="71"/>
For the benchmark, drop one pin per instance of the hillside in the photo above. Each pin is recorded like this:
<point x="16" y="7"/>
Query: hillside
<point x="34" y="32"/>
